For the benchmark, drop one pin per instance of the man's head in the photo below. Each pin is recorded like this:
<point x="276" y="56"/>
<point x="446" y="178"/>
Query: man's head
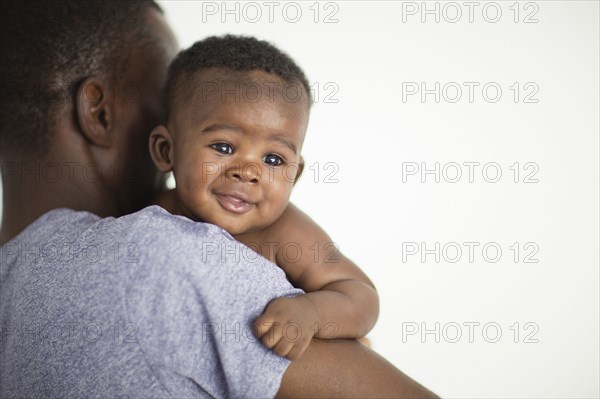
<point x="81" y="83"/>
<point x="237" y="113"/>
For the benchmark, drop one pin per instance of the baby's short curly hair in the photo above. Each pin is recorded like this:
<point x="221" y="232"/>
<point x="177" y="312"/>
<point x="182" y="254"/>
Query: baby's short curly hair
<point x="232" y="53"/>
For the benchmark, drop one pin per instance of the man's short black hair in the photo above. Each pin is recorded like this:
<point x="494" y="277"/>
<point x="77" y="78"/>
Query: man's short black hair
<point x="232" y="53"/>
<point x="48" y="48"/>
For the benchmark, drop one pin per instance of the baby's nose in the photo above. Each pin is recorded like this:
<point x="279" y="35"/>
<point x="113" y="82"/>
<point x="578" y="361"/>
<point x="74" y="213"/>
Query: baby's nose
<point x="248" y="173"/>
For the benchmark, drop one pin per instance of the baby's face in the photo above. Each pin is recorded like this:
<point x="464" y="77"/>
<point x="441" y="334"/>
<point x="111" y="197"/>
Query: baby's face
<point x="235" y="160"/>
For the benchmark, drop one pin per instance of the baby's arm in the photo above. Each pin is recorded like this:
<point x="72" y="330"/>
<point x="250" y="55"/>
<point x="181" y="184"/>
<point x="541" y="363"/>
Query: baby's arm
<point x="341" y="301"/>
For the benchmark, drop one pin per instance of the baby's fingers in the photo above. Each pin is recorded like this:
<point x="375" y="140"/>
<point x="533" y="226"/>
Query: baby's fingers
<point x="269" y="333"/>
<point x="261" y="326"/>
<point x="283" y="347"/>
<point x="299" y="348"/>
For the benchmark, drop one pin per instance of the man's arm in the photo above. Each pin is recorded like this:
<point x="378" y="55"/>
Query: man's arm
<point x="346" y="369"/>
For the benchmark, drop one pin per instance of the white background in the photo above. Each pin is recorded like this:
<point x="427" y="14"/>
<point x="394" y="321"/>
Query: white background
<point x="370" y="211"/>
<point x="370" y="135"/>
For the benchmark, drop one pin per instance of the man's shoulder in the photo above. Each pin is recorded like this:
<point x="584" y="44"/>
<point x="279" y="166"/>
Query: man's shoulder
<point x="175" y="244"/>
<point x="155" y="223"/>
<point x="155" y="234"/>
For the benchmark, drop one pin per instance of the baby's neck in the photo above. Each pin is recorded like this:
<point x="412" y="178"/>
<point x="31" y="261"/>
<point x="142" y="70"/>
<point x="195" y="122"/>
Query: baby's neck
<point x="168" y="200"/>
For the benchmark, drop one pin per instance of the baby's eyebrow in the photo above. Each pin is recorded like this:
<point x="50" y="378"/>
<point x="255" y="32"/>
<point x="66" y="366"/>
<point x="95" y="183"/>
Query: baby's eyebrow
<point x="283" y="140"/>
<point x="219" y="126"/>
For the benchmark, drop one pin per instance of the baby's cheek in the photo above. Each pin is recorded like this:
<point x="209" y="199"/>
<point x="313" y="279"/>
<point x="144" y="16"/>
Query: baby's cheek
<point x="279" y="192"/>
<point x="287" y="174"/>
<point x="190" y="189"/>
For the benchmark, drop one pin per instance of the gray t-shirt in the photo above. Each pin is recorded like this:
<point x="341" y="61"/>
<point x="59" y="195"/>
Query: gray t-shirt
<point x="146" y="305"/>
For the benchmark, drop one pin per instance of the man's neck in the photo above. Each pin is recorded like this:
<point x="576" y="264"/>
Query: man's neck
<point x="27" y="196"/>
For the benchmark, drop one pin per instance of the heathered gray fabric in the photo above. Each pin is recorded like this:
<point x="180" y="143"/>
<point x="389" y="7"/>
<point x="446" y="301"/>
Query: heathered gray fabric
<point x="146" y="305"/>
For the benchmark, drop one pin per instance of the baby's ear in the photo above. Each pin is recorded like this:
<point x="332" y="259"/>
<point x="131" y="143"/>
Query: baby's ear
<point x="161" y="148"/>
<point x="300" y="169"/>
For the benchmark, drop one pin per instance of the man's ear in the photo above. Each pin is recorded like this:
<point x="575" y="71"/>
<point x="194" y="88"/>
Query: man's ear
<point x="300" y="169"/>
<point x="161" y="148"/>
<point x="95" y="111"/>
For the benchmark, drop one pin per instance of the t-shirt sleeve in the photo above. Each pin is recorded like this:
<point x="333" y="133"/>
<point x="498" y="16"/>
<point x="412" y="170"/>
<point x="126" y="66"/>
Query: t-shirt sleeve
<point x="194" y="302"/>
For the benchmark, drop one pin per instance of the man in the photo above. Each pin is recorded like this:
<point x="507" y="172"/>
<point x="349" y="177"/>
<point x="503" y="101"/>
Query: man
<point x="141" y="305"/>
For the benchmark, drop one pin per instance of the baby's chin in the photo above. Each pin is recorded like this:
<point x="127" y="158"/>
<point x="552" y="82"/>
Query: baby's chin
<point x="237" y="227"/>
<point x="236" y="230"/>
<point x="233" y="224"/>
<point x="247" y="223"/>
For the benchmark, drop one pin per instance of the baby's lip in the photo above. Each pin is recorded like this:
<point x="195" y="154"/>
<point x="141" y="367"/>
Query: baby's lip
<point x="235" y="195"/>
<point x="234" y="201"/>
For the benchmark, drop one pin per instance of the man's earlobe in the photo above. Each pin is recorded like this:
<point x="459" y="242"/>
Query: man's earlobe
<point x="94" y="112"/>
<point x="300" y="169"/>
<point x="161" y="148"/>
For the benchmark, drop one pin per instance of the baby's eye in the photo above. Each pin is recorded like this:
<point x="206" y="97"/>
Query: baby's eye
<point x="223" y="148"/>
<point x="272" y="160"/>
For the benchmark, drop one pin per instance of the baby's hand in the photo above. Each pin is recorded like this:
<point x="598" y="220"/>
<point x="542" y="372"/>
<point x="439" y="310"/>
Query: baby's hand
<point x="287" y="326"/>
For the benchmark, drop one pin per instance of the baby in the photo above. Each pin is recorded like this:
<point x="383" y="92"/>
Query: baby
<point x="237" y="111"/>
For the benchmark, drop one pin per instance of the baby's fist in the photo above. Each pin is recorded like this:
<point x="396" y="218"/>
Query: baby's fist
<point x="287" y="326"/>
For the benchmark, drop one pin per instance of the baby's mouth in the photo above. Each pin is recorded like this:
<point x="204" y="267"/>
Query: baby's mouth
<point x="234" y="202"/>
